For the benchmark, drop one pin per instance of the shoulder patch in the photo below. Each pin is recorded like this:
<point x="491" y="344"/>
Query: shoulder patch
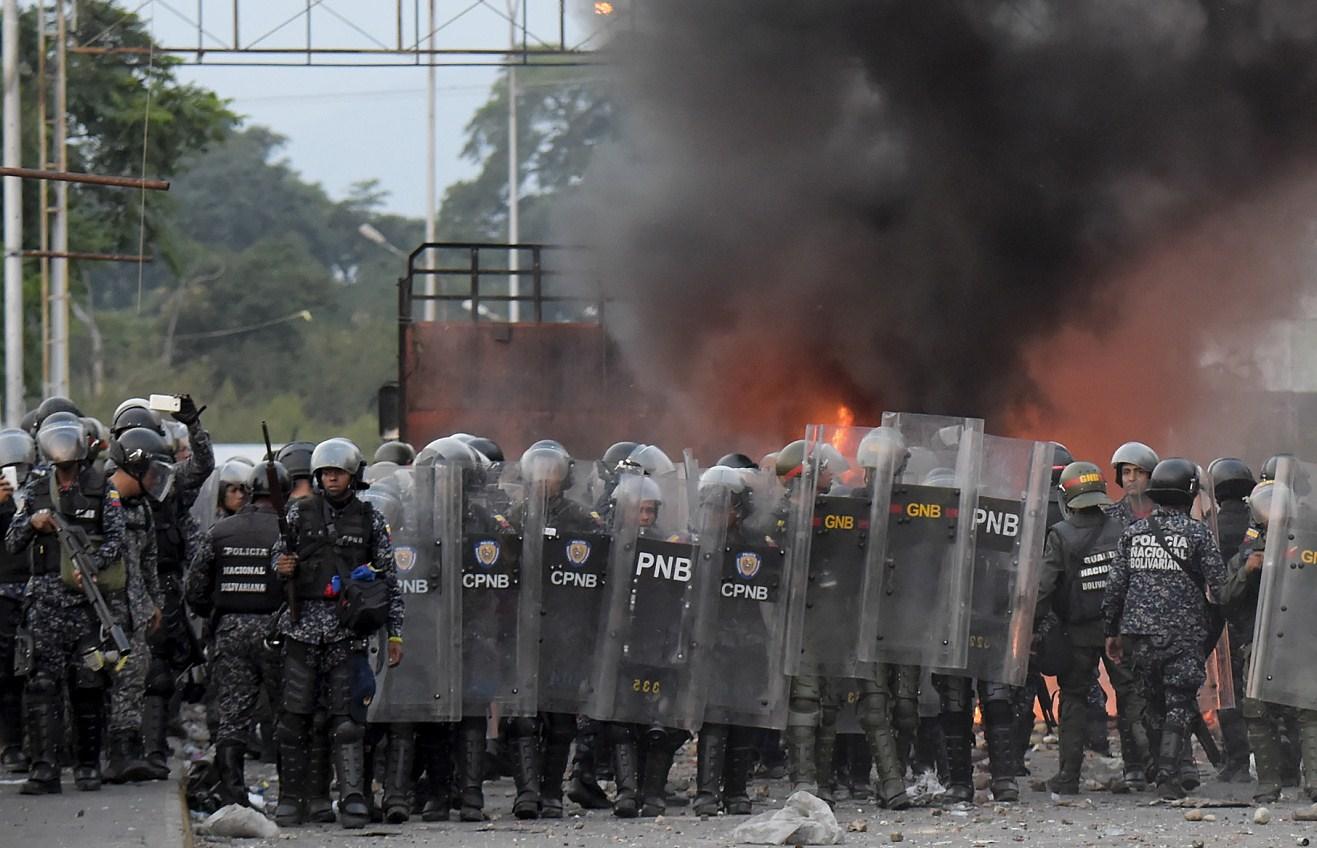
<point x="1251" y="533"/>
<point x="112" y="495"/>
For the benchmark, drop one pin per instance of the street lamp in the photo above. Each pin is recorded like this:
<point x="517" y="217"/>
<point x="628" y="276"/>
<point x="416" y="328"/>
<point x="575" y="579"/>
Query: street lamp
<point x="371" y="234"/>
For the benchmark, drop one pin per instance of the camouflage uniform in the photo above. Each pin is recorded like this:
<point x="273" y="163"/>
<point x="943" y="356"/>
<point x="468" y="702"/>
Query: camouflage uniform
<point x="15" y="569"/>
<point x="1162" y="610"/>
<point x="64" y="626"/>
<point x="133" y="609"/>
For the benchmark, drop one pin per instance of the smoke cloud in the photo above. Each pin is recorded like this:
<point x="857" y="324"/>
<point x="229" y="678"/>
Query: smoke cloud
<point x="1034" y="212"/>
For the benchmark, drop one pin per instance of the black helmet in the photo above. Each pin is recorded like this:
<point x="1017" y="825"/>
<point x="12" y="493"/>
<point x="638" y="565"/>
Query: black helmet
<point x="62" y="438"/>
<point x="53" y="404"/>
<point x="1061" y="457"/>
<point x="342" y="454"/>
<point x="1133" y="453"/>
<point x="617" y="452"/>
<point x="451" y="449"/>
<point x="488" y="448"/>
<point x="736" y="460"/>
<point x="137" y="452"/>
<point x="296" y="458"/>
<point x="259" y="481"/>
<point x="137" y="416"/>
<point x="1269" y="467"/>
<point x="1231" y="478"/>
<point x="651" y="458"/>
<point x="399" y="453"/>
<point x="28" y="424"/>
<point x="19" y="449"/>
<point x="543" y="462"/>
<point x="1174" y="482"/>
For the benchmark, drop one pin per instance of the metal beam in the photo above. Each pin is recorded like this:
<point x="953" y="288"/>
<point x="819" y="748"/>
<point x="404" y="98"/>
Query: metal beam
<point x="90" y="179"/>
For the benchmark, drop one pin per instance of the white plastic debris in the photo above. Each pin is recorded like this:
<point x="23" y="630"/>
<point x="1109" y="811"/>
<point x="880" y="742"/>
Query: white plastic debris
<point x="806" y="819"/>
<point x="240" y="822"/>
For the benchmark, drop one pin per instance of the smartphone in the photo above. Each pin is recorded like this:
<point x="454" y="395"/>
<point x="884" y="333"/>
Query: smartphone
<point x="10" y="473"/>
<point x="164" y="403"/>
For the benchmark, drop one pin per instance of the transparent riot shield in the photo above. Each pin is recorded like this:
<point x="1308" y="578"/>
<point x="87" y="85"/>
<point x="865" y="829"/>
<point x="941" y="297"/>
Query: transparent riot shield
<point x="831" y="507"/>
<point x="422" y="506"/>
<point x="205" y="509"/>
<point x="1281" y="667"/>
<point x="742" y="543"/>
<point x="498" y="606"/>
<point x="566" y="553"/>
<point x="1010" y="525"/>
<point x="924" y="561"/>
<point x="1218" y="689"/>
<point x="646" y="668"/>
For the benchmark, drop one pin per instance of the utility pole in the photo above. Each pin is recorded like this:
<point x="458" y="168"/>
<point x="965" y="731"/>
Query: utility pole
<point x="13" y="213"/>
<point x="514" y="188"/>
<point x="430" y="187"/>
<point x="59" y="264"/>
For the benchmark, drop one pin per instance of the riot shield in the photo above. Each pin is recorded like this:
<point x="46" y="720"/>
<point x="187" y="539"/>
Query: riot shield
<point x="646" y="669"/>
<point x="566" y="561"/>
<point x="924" y="562"/>
<point x="831" y="506"/>
<point x="205" y="509"/>
<point x="1011" y="526"/>
<point x="742" y="541"/>
<point x="498" y="607"/>
<point x="1280" y="670"/>
<point x="1218" y="689"/>
<point x="422" y="506"/>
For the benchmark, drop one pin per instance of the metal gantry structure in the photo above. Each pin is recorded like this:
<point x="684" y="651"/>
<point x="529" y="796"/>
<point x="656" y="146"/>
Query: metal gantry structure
<point x="310" y="34"/>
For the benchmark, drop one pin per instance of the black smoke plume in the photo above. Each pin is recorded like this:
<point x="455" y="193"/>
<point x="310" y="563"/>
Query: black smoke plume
<point x="886" y="203"/>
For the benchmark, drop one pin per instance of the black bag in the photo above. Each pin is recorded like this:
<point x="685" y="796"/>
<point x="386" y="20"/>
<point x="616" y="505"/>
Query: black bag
<point x="1053" y="651"/>
<point x="1216" y="619"/>
<point x="363" y="606"/>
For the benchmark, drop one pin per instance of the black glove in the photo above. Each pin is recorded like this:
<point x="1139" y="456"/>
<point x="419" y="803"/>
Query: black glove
<point x="188" y="413"/>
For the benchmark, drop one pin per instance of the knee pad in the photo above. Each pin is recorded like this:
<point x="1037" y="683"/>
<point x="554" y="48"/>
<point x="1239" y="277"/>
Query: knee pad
<point x="875" y="712"/>
<point x="346" y="731"/>
<point x="957" y="694"/>
<point x="293" y="729"/>
<point x="299" y="695"/>
<point x="905" y="714"/>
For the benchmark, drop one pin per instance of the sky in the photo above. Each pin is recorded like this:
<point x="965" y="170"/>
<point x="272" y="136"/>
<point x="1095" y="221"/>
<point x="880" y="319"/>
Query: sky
<point x="345" y="125"/>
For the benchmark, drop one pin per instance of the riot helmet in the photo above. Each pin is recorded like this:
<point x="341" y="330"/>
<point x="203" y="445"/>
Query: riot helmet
<point x="53" y="404"/>
<point x="1133" y="453"/>
<point x="137" y="452"/>
<point x="883" y="447"/>
<point x="1174" y="482"/>
<point x="137" y="416"/>
<point x="258" y="481"/>
<point x="380" y="470"/>
<point x="98" y="436"/>
<point x="546" y="462"/>
<point x="1082" y="486"/>
<point x="18" y="449"/>
<point x="1231" y="478"/>
<point x="342" y="454"/>
<point x="180" y="441"/>
<point x="296" y="457"/>
<point x="652" y="459"/>
<point x="943" y="478"/>
<point x="388" y="503"/>
<point x="1259" y="502"/>
<point x="487" y="448"/>
<point x="28" y="424"/>
<point x="722" y="478"/>
<point x="399" y="453"/>
<point x="616" y="454"/>
<point x="450" y="449"/>
<point x="129" y="404"/>
<point x="640" y="493"/>
<point x="790" y="461"/>
<point x="736" y="460"/>
<point x="235" y="472"/>
<point x="1061" y="457"/>
<point x="61" y="438"/>
<point x="1269" y="467"/>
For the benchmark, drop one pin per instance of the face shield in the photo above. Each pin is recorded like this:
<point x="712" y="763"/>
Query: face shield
<point x="62" y="441"/>
<point x="157" y="480"/>
<point x="546" y="464"/>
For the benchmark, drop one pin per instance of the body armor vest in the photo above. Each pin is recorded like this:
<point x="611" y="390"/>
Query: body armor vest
<point x="244" y="580"/>
<point x="330" y="544"/>
<point x="81" y="505"/>
<point x="170" y="546"/>
<point x="14" y="568"/>
<point x="1090" y="551"/>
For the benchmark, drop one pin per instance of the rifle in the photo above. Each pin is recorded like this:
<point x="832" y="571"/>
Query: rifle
<point x="277" y="500"/>
<point x="1044" y="700"/>
<point x="76" y="544"/>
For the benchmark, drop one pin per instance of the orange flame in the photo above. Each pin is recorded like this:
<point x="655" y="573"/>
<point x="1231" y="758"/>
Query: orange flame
<point x="845" y="418"/>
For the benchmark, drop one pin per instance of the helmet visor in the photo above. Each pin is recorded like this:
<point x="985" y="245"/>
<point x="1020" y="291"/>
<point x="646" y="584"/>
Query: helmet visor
<point x="157" y="480"/>
<point x="62" y="441"/>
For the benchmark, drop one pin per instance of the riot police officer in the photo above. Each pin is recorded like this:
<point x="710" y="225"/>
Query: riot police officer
<point x="18" y="453"/>
<point x="64" y="627"/>
<point x="342" y="546"/>
<point x="1133" y="463"/>
<point x="1156" y="605"/>
<point x="296" y="457"/>
<point x="1076" y="560"/>
<point x="399" y="453"/>
<point x="1232" y="482"/>
<point x="230" y="579"/>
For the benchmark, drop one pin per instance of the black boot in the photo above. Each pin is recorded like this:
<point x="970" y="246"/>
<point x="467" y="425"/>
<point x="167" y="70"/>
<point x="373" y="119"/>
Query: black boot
<point x="526" y="776"/>
<point x="858" y="767"/>
<point x="1097" y="731"/>
<point x="930" y="743"/>
<point x="437" y="751"/>
<point x="890" y="789"/>
<point x="1000" y="735"/>
<point x="800" y="757"/>
<point x="740" y="759"/>
<point x="398" y="777"/>
<point x="1234" y="736"/>
<point x="627" y="777"/>
<point x="654" y="789"/>
<point x="1066" y="780"/>
<point x="230" y="760"/>
<point x="12" y="758"/>
<point x="584" y="788"/>
<point x="1134" y="750"/>
<point x="88" y="728"/>
<point x="43" y="722"/>
<point x="710" y="765"/>
<point x="473" y="771"/>
<point x="957" y="728"/>
<point x="350" y="766"/>
<point x="116" y="757"/>
<point x="1169" y="760"/>
<point x="294" y="770"/>
<point x="155" y="735"/>
<point x="319" y="806"/>
<point x="556" y="752"/>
